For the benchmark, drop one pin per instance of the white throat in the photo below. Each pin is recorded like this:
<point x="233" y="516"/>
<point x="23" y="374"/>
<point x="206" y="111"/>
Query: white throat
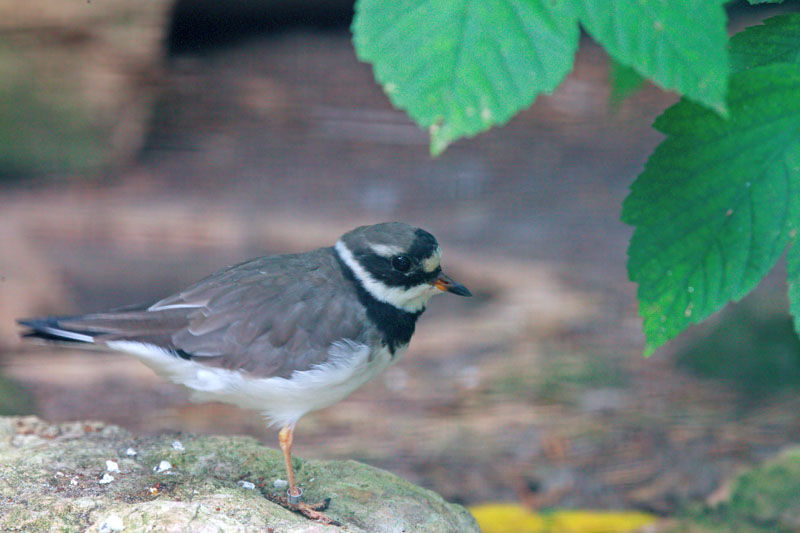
<point x="412" y="299"/>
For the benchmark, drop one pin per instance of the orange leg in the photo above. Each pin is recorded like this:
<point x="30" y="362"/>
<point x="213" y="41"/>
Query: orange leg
<point x="286" y="436"/>
<point x="294" y="494"/>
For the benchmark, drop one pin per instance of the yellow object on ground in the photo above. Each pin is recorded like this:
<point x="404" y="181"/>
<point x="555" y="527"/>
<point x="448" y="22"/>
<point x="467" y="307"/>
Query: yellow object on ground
<point x="514" y="518"/>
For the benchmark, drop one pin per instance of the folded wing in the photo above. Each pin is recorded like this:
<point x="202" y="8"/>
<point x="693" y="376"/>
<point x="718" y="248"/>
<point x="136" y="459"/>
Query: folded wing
<point x="268" y="316"/>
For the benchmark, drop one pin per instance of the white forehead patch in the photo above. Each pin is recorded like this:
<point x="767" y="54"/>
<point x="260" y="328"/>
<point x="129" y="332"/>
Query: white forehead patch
<point x="386" y="250"/>
<point x="432" y="263"/>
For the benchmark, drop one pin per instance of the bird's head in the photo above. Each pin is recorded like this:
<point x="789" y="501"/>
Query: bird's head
<point x="397" y="264"/>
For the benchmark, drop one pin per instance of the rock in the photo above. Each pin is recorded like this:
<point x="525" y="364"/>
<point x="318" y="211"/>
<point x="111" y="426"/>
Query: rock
<point x="82" y="78"/>
<point x="769" y="494"/>
<point x="50" y="480"/>
<point x="765" y="499"/>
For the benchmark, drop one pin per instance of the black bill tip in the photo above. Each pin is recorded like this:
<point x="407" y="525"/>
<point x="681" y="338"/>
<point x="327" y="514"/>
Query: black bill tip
<point x="446" y="283"/>
<point x="460" y="290"/>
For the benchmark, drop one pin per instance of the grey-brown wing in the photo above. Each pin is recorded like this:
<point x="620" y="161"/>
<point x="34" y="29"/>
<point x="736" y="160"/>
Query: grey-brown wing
<point x="269" y="316"/>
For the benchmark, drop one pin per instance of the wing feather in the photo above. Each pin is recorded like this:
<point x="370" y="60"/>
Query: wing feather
<point x="269" y="316"/>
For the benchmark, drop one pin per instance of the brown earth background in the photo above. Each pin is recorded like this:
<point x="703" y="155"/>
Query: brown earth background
<point x="136" y="164"/>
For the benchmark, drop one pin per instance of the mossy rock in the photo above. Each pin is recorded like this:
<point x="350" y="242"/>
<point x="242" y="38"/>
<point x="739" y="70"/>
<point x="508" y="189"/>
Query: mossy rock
<point x="770" y="494"/>
<point x="53" y="479"/>
<point x="77" y="81"/>
<point x="764" y="499"/>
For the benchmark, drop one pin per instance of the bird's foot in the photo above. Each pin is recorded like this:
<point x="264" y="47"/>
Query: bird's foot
<point x="313" y="511"/>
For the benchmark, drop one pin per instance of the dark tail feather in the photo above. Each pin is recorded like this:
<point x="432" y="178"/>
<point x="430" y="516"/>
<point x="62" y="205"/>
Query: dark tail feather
<point x="49" y="329"/>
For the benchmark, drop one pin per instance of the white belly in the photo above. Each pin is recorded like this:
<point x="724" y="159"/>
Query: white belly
<point x="281" y="400"/>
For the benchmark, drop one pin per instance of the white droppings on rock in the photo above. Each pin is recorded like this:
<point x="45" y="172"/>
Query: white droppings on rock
<point x="112" y="523"/>
<point x="130" y="452"/>
<point x="178" y="445"/>
<point x="163" y="466"/>
<point x="106" y="479"/>
<point x="112" y="466"/>
<point x="280" y="484"/>
<point x="73" y="481"/>
<point x="246" y="484"/>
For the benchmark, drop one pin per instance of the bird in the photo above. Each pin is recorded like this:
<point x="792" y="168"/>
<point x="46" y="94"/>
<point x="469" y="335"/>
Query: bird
<point x="283" y="335"/>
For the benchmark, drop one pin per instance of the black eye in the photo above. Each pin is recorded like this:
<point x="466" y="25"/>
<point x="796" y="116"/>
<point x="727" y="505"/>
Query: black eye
<point x="401" y="263"/>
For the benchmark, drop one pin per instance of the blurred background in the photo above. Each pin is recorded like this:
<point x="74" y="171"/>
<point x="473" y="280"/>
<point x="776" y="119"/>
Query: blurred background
<point x="144" y="145"/>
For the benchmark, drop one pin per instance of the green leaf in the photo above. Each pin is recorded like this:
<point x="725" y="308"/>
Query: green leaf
<point x="624" y="81"/>
<point x="793" y="279"/>
<point x="678" y="45"/>
<point x="459" y="67"/>
<point x="756" y="2"/>
<point x="777" y="40"/>
<point x="717" y="201"/>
